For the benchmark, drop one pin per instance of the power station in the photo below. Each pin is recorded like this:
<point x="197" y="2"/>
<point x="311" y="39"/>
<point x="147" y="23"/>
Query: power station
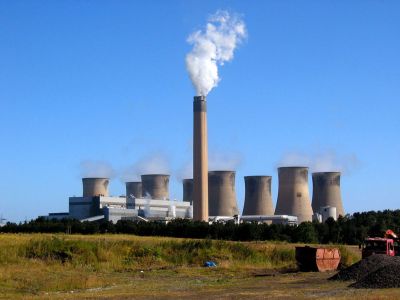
<point x="326" y="192"/>
<point x="222" y="194"/>
<point x="258" y="196"/>
<point x="200" y="159"/>
<point x="211" y="195"/>
<point x="293" y="195"/>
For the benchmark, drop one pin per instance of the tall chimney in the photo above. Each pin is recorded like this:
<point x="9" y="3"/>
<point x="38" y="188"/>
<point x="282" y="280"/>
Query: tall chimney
<point x="133" y="189"/>
<point x="258" y="199"/>
<point x="188" y="190"/>
<point x="155" y="186"/>
<point x="200" y="159"/>
<point x="293" y="194"/>
<point x="222" y="195"/>
<point x="326" y="191"/>
<point x="93" y="187"/>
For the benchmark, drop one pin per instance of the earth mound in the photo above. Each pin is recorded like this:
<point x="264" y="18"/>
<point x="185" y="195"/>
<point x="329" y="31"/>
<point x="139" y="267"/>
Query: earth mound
<point x="385" y="277"/>
<point x="367" y="266"/>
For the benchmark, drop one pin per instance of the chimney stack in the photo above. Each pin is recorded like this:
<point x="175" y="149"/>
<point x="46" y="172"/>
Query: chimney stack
<point x="326" y="191"/>
<point x="133" y="189"/>
<point x="155" y="186"/>
<point x="93" y="187"/>
<point x="200" y="159"/>
<point x="293" y="194"/>
<point x="188" y="190"/>
<point x="222" y="195"/>
<point x="258" y="199"/>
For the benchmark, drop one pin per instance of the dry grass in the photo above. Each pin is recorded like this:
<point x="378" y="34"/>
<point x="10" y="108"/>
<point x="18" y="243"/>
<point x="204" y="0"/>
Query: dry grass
<point x="110" y="266"/>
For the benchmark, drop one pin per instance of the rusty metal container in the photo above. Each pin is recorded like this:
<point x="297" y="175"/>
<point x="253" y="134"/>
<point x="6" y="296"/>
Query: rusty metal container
<point x="317" y="259"/>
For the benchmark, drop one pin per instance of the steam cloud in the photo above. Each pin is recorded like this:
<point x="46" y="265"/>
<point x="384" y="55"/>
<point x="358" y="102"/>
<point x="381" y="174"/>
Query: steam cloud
<point x="96" y="168"/>
<point x="223" y="161"/>
<point x="156" y="163"/>
<point x="321" y="161"/>
<point x="211" y="48"/>
<point x="217" y="161"/>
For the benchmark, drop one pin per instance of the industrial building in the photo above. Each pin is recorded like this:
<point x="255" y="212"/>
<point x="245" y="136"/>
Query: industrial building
<point x="326" y="192"/>
<point x="96" y="204"/>
<point x="149" y="199"/>
<point x="293" y="194"/>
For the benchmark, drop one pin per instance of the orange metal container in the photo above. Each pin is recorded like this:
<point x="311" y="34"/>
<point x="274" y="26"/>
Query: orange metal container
<point x="317" y="259"/>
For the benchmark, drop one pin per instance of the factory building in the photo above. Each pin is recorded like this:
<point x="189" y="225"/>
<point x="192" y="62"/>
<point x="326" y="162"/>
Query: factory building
<point x="293" y="194"/>
<point x="326" y="193"/>
<point x="149" y="199"/>
<point x="96" y="204"/>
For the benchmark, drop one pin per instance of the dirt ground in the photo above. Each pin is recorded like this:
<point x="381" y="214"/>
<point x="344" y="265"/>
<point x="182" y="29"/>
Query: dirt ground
<point x="215" y="283"/>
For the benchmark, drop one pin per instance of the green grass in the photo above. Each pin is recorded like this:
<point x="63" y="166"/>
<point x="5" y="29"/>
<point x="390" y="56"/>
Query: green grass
<point x="36" y="264"/>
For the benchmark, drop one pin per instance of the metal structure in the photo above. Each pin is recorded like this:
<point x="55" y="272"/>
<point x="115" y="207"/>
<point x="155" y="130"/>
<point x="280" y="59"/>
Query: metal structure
<point x="200" y="160"/>
<point x="221" y="193"/>
<point x="133" y="189"/>
<point x="188" y="190"/>
<point x="293" y="194"/>
<point x="155" y="186"/>
<point x="328" y="212"/>
<point x="326" y="192"/>
<point x="317" y="259"/>
<point x="258" y="199"/>
<point x="93" y="187"/>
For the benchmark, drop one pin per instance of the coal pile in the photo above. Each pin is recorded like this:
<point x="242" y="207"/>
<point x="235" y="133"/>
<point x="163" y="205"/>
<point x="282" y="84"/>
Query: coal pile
<point x="366" y="267"/>
<point x="385" y="277"/>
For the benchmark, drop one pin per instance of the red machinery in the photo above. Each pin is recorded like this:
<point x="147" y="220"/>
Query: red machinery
<point x="388" y="245"/>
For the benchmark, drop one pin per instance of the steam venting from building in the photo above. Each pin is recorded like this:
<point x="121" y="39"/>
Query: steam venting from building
<point x="96" y="169"/>
<point x="326" y="192"/>
<point x="155" y="186"/>
<point x="258" y="199"/>
<point x="222" y="194"/>
<point x="93" y="187"/>
<point x="152" y="163"/>
<point x="133" y="189"/>
<point x="212" y="47"/>
<point x="188" y="190"/>
<point x="293" y="194"/>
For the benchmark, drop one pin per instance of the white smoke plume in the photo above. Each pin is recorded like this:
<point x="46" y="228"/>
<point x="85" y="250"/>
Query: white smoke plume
<point x="185" y="172"/>
<point x="326" y="161"/>
<point x="96" y="168"/>
<point x="155" y="163"/>
<point x="212" y="48"/>
<point x="217" y="161"/>
<point x="224" y="161"/>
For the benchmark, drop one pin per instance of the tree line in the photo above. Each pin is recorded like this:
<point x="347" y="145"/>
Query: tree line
<point x="351" y="229"/>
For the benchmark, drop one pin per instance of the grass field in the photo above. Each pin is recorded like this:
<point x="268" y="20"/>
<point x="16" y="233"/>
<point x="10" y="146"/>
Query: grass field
<point x="122" y="266"/>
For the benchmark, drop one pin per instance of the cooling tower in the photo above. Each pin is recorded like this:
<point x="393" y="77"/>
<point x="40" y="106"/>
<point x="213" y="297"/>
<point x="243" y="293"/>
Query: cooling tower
<point x="258" y="200"/>
<point x="155" y="186"/>
<point x="221" y="193"/>
<point x="133" y="189"/>
<point x="326" y="191"/>
<point x="188" y="190"/>
<point x="200" y="159"/>
<point x="93" y="187"/>
<point x="293" y="195"/>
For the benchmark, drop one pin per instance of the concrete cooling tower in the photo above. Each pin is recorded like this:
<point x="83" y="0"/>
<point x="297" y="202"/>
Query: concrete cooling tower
<point x="133" y="189"/>
<point x="326" y="191"/>
<point x="293" y="194"/>
<point x="258" y="199"/>
<point x="155" y="186"/>
<point x="93" y="187"/>
<point x="188" y="190"/>
<point x="221" y="193"/>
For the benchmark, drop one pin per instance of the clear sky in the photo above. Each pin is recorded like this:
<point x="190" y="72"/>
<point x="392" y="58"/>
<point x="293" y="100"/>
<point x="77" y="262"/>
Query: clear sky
<point x="83" y="82"/>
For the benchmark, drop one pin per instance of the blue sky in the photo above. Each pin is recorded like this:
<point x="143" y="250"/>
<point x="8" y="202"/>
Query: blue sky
<point x="106" y="81"/>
